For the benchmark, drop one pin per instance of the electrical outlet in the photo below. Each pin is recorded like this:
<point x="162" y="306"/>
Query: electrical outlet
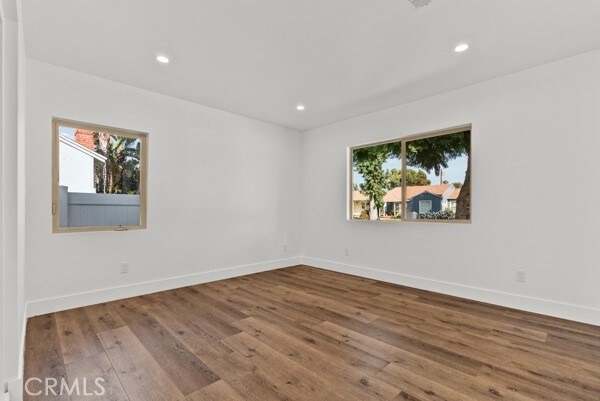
<point x="347" y="251"/>
<point x="520" y="277"/>
<point x="284" y="247"/>
<point x="124" y="267"/>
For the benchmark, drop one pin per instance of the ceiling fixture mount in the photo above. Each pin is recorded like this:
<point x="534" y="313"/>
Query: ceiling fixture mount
<point x="463" y="47"/>
<point x="419" y="3"/>
<point x="162" y="59"/>
<point x="300" y="107"/>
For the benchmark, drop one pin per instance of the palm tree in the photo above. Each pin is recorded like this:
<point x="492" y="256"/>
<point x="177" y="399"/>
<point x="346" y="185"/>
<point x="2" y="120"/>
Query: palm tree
<point x="121" y="171"/>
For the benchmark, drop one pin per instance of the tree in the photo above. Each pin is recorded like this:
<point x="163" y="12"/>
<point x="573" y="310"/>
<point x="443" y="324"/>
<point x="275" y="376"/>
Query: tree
<point x="434" y="154"/>
<point x="101" y="141"/>
<point x="428" y="154"/>
<point x="120" y="174"/>
<point x="457" y="184"/>
<point x="463" y="203"/>
<point x="413" y="178"/>
<point x="395" y="179"/>
<point x="369" y="163"/>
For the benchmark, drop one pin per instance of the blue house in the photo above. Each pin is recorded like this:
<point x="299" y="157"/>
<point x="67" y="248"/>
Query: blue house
<point x="422" y="199"/>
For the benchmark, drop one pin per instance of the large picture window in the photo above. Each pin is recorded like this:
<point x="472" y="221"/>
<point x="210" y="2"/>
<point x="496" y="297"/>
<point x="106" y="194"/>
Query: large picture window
<point x="418" y="178"/>
<point x="98" y="178"/>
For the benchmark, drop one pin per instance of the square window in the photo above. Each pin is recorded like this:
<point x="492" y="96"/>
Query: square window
<point x="98" y="178"/>
<point x="424" y="206"/>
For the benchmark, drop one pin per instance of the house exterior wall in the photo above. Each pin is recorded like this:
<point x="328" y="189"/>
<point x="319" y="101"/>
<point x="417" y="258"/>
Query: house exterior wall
<point x="390" y="206"/>
<point x="436" y="202"/>
<point x="357" y="207"/>
<point x="76" y="170"/>
<point x="85" y="138"/>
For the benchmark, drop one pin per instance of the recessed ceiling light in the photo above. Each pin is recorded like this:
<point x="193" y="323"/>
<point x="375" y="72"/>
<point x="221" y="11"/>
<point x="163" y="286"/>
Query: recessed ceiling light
<point x="162" y="59"/>
<point x="463" y="47"/>
<point x="300" y="107"/>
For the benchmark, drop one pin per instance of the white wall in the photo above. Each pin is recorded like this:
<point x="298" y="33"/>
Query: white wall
<point x="3" y="375"/>
<point x="235" y="180"/>
<point x="11" y="294"/>
<point x="535" y="197"/>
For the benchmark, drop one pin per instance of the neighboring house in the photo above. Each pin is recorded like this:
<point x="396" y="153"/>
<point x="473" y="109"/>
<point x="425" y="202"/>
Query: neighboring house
<point x="452" y="200"/>
<point x="421" y="199"/>
<point x="393" y="201"/>
<point x="359" y="203"/>
<point x="76" y="164"/>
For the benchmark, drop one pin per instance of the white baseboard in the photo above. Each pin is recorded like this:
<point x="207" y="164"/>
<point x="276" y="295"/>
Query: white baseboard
<point x="15" y="390"/>
<point x="49" y="305"/>
<point x="547" y="307"/>
<point x="18" y="385"/>
<point x="15" y="386"/>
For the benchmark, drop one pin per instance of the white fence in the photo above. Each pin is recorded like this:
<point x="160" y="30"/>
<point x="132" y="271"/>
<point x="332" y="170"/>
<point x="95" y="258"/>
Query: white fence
<point x="93" y="210"/>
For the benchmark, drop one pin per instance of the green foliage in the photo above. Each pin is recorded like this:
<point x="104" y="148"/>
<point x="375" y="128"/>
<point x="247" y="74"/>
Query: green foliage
<point x="413" y="177"/>
<point x="442" y="215"/>
<point x="120" y="174"/>
<point x="370" y="166"/>
<point x="425" y="154"/>
<point x="457" y="184"/>
<point x="395" y="178"/>
<point x="387" y="150"/>
<point x="434" y="153"/>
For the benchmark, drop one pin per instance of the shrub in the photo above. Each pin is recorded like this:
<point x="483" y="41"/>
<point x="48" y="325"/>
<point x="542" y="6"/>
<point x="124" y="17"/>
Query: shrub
<point x="442" y="215"/>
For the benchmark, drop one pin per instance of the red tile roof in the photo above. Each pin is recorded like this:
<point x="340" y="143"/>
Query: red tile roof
<point x="395" y="195"/>
<point x="358" y="196"/>
<point x="454" y="195"/>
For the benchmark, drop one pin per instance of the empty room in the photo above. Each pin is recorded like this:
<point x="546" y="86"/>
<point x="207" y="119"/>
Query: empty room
<point x="311" y="200"/>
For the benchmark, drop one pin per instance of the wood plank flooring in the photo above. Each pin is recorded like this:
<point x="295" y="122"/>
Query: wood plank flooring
<point x="308" y="334"/>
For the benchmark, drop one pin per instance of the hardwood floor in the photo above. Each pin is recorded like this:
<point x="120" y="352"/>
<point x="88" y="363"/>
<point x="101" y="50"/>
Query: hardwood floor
<point x="308" y="334"/>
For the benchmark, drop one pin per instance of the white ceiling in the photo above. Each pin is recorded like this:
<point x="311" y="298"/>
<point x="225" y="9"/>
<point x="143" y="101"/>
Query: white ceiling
<point x="341" y="58"/>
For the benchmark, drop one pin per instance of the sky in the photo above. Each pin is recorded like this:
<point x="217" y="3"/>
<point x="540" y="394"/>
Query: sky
<point x="454" y="173"/>
<point x="70" y="132"/>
